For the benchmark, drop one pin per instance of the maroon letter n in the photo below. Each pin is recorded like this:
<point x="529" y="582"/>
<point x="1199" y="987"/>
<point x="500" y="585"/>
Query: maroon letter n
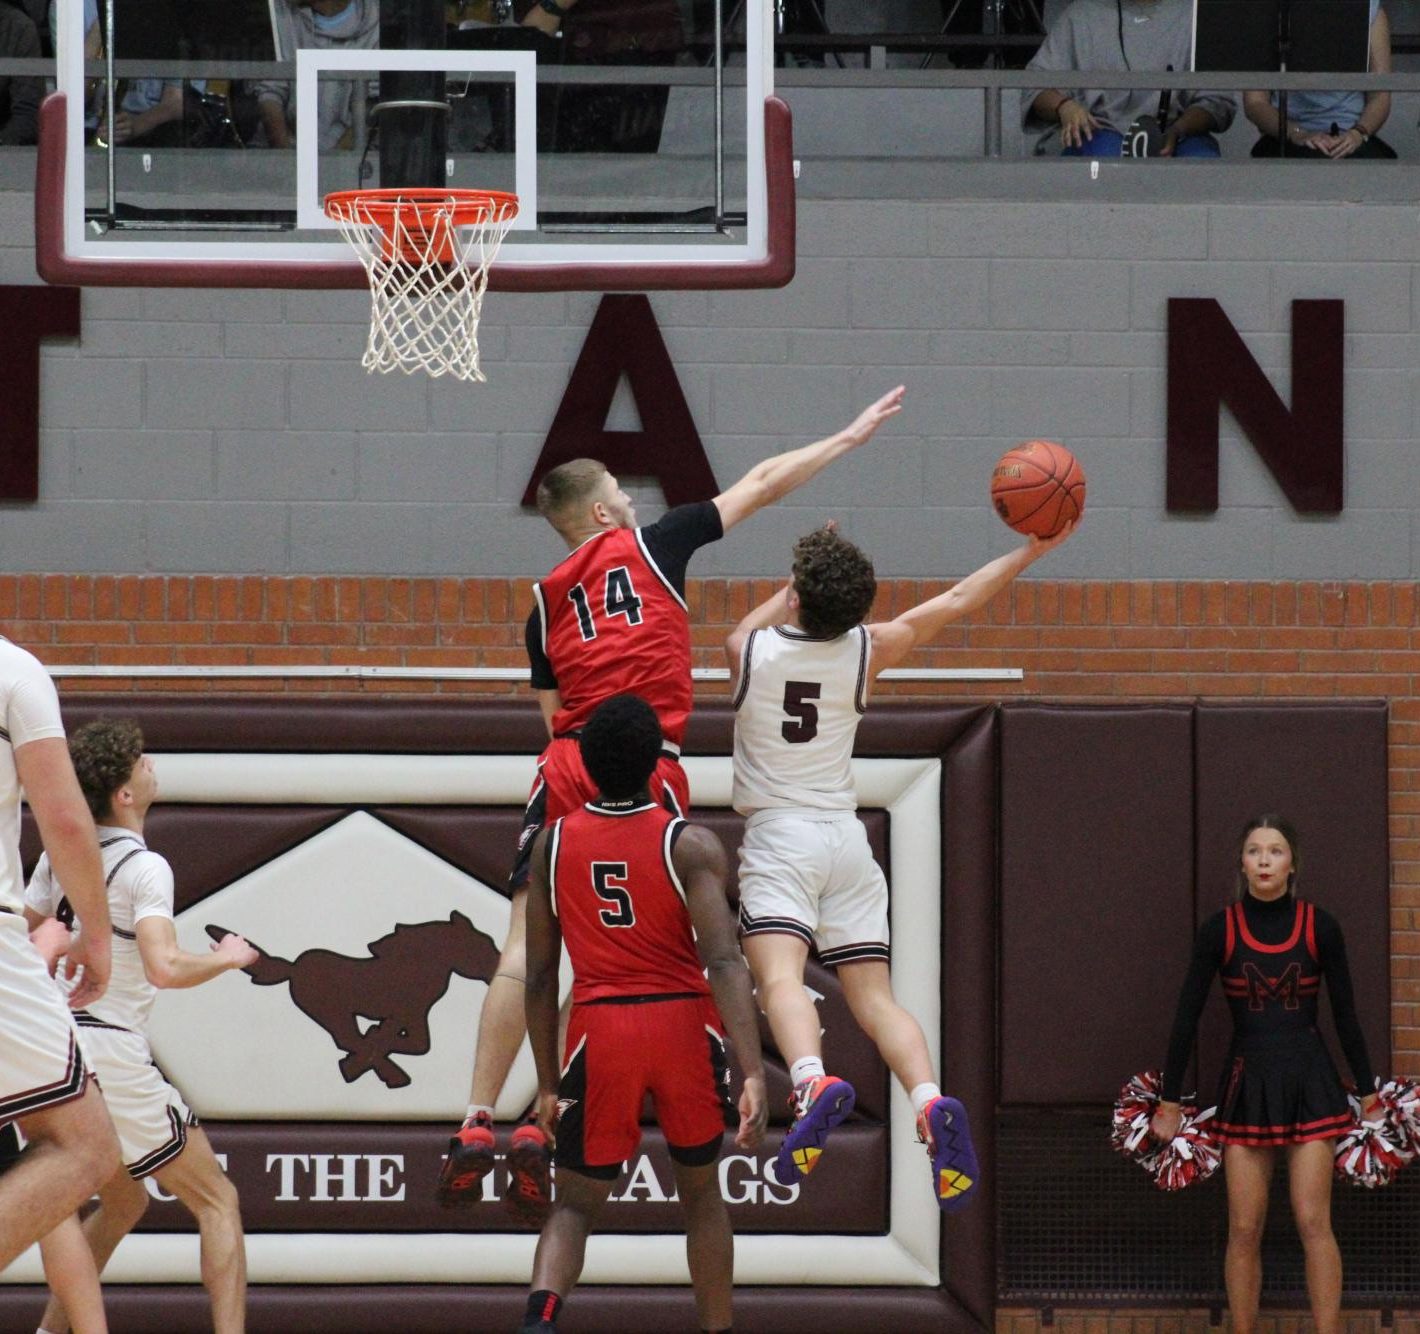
<point x="1210" y="368"/>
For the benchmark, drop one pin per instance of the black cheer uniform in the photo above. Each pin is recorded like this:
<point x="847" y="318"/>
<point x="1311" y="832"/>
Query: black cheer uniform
<point x="1278" y="1084"/>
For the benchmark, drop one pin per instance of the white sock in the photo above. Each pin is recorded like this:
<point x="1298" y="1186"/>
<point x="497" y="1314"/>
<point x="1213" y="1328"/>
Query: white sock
<point x="473" y="1110"/>
<point x="806" y="1067"/>
<point x="922" y="1095"/>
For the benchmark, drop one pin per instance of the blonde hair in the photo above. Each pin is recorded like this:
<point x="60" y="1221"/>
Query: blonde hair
<point x="566" y="488"/>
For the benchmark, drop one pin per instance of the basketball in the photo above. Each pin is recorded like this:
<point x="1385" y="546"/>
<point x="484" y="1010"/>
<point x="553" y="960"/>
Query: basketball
<point x="1038" y="487"/>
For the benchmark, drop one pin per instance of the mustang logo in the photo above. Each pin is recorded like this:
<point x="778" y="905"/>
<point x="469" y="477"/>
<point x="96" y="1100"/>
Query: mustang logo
<point x="407" y="973"/>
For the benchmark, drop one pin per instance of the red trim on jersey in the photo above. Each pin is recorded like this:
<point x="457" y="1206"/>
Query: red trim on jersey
<point x="1232" y="933"/>
<point x="1311" y="933"/>
<point x="1289" y="943"/>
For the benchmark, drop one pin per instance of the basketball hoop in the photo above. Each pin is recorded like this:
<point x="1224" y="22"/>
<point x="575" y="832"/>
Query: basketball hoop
<point x="427" y="253"/>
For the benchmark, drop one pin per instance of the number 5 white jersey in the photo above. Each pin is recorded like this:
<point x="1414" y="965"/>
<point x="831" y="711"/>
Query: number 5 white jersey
<point x="797" y="708"/>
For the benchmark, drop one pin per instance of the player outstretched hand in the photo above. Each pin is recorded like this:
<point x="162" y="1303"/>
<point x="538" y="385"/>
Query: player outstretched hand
<point x="754" y="1114"/>
<point x="861" y="429"/>
<point x="1040" y="545"/>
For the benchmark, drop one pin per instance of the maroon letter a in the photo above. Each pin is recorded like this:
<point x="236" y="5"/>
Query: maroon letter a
<point x="625" y="340"/>
<point x="1210" y="367"/>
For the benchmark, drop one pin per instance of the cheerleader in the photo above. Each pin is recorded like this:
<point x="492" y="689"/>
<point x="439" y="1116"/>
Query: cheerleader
<point x="1279" y="1089"/>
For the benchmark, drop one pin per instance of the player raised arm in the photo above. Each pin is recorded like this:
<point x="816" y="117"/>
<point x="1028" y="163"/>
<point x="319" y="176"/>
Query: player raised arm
<point x="894" y="640"/>
<point x="700" y="863"/>
<point x="775" y="478"/>
<point x="67" y="831"/>
<point x="772" y="611"/>
<point x="544" y="946"/>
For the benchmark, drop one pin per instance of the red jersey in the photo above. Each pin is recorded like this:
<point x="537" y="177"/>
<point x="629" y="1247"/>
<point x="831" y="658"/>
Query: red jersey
<point x="620" y="904"/>
<point x="611" y="620"/>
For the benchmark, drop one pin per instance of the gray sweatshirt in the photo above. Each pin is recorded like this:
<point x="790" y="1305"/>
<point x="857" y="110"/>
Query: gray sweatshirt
<point x="341" y="108"/>
<point x="1156" y="34"/>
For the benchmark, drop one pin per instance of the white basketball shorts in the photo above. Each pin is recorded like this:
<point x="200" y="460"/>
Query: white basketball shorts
<point x="811" y="874"/>
<point x="149" y="1113"/>
<point x="41" y="1061"/>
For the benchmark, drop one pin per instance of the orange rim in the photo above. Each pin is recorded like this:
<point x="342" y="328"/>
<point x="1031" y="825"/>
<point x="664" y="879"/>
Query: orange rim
<point x="383" y="206"/>
<point x="427" y="214"/>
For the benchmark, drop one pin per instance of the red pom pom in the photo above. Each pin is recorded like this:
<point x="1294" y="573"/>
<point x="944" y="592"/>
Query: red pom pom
<point x="1133" y="1110"/>
<point x="1376" y="1148"/>
<point x="1401" y="1100"/>
<point x="1192" y="1155"/>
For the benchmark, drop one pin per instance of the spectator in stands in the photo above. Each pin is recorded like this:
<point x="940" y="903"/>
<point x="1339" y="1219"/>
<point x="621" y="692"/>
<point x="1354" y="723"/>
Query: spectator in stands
<point x="149" y="112"/>
<point x="19" y="96"/>
<point x="320" y="23"/>
<point x="1124" y="35"/>
<point x="1329" y="124"/>
<point x="599" y="119"/>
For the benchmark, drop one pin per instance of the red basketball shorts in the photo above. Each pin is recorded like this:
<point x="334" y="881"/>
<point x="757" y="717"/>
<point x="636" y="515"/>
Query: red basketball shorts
<point x="563" y="785"/>
<point x="673" y="1050"/>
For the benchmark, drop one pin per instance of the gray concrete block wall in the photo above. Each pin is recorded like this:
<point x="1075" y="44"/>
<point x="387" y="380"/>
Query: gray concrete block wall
<point x="235" y="431"/>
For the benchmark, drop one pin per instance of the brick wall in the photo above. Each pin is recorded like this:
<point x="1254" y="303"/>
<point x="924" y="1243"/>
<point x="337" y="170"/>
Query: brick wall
<point x="1074" y="640"/>
<point x="1169" y="640"/>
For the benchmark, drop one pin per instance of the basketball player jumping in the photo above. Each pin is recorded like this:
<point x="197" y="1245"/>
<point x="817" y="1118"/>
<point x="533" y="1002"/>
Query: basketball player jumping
<point x="803" y="664"/>
<point x="157" y="1134"/>
<point x="610" y="619"/>
<point x="638" y="895"/>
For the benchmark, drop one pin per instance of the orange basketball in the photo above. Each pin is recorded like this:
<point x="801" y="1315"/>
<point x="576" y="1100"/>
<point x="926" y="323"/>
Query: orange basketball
<point x="1038" y="487"/>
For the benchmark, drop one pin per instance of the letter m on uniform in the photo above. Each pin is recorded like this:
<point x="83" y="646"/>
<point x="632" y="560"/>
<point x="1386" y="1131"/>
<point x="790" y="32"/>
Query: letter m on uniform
<point x="1261" y="988"/>
<point x="1210" y="368"/>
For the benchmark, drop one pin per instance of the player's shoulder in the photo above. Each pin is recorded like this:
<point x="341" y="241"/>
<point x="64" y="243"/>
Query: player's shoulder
<point x="1325" y="921"/>
<point x="1215" y="924"/>
<point x="134" y="859"/>
<point x="18" y="663"/>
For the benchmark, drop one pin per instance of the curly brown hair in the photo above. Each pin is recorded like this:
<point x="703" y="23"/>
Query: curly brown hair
<point x="834" y="581"/>
<point x="104" y="753"/>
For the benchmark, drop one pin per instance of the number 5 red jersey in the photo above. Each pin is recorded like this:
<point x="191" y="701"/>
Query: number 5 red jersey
<point x="620" y="904"/>
<point x="613" y="624"/>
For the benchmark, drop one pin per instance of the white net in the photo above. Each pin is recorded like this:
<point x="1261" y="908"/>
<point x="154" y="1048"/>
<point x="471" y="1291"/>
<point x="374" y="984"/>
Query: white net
<point x="427" y="255"/>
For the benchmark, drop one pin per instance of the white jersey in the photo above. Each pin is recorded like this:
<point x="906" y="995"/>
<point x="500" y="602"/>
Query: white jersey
<point x="140" y="884"/>
<point x="29" y="711"/>
<point x="797" y="709"/>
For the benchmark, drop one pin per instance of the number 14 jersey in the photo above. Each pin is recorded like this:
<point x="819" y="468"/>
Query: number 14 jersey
<point x="611" y="619"/>
<point x="797" y="708"/>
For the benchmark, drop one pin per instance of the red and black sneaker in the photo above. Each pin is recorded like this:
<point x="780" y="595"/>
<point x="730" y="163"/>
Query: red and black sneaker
<point x="529" y="1194"/>
<point x="469" y="1160"/>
